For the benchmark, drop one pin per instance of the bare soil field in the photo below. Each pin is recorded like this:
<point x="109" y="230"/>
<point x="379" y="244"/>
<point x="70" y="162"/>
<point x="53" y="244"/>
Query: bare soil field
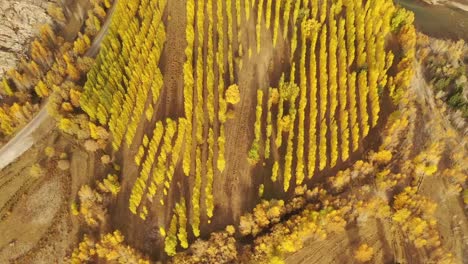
<point x="35" y="220"/>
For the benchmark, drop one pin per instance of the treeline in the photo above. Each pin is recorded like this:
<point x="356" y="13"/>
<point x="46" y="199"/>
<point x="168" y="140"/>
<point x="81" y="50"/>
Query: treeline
<point x="109" y="247"/>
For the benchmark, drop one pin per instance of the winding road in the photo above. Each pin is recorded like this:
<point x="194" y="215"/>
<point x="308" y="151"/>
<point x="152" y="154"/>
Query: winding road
<point x="25" y="138"/>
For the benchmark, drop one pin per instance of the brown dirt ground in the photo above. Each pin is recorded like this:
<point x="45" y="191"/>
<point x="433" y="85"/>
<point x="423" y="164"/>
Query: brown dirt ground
<point x="35" y="221"/>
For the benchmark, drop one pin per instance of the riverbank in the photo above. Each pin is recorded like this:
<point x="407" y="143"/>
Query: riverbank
<point x="444" y="20"/>
<point x="460" y="4"/>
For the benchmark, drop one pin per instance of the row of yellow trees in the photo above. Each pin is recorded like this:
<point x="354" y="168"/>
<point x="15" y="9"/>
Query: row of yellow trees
<point x="208" y="75"/>
<point x="342" y="66"/>
<point x="125" y="85"/>
<point x="198" y="140"/>
<point x="127" y="74"/>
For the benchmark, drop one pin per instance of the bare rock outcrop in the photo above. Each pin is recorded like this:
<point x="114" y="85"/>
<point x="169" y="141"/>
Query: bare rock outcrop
<point x="19" y="20"/>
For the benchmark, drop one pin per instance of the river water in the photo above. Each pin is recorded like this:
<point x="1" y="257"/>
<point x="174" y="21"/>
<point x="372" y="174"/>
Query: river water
<point x="438" y="21"/>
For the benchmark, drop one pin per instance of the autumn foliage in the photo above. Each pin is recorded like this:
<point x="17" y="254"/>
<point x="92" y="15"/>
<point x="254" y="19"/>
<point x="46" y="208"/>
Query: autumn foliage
<point x="309" y="118"/>
<point x="338" y="70"/>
